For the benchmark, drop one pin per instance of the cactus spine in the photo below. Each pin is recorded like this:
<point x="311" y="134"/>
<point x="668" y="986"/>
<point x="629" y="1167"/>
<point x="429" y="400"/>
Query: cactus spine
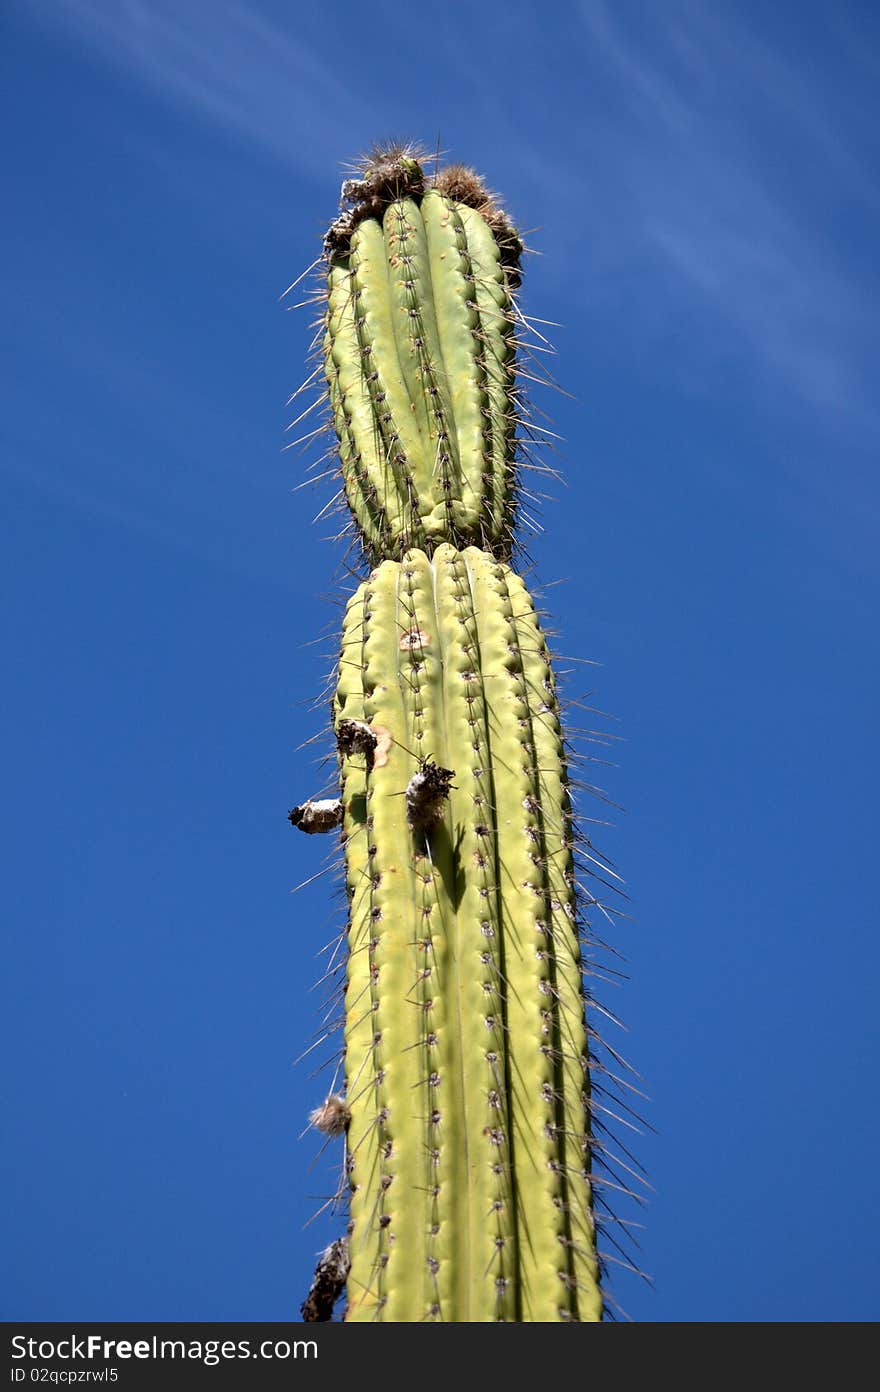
<point x="467" y="1101"/>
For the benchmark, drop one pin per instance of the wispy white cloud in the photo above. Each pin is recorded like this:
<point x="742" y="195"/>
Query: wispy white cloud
<point x="716" y="153"/>
<point x="27" y="462"/>
<point x="691" y="93"/>
<point x="647" y="85"/>
<point x="226" y="61"/>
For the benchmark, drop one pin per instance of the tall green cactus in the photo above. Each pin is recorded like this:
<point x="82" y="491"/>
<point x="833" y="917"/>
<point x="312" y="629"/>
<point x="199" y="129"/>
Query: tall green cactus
<point x="467" y="1063"/>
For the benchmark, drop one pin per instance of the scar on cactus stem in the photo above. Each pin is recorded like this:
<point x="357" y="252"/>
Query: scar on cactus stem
<point x="477" y="1097"/>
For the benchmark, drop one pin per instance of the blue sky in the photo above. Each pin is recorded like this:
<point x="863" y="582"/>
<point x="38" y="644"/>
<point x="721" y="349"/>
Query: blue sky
<point x="699" y="184"/>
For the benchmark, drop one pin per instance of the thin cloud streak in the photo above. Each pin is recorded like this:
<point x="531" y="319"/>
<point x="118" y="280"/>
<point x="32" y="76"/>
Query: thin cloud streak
<point x="19" y="463"/>
<point x="699" y="112"/>
<point x="224" y="60"/>
<point x="681" y="151"/>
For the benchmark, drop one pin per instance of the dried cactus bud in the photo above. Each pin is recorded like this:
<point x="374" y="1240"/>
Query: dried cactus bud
<point x="328" y="1283"/>
<point x="332" y="1117"/>
<point x="355" y="737"/>
<point x="316" y="816"/>
<point x="426" y="795"/>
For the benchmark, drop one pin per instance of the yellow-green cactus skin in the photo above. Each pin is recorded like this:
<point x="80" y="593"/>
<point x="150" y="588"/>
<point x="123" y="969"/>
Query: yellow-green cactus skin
<point x="468" y="1097"/>
<point x="419" y="360"/>
<point x="466" y="1048"/>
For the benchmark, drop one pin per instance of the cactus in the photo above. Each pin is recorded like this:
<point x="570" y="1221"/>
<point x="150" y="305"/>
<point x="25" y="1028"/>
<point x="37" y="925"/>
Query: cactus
<point x="419" y="354"/>
<point x="468" y="1101"/>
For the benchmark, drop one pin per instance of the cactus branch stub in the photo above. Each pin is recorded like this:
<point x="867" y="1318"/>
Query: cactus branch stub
<point x="316" y="816"/>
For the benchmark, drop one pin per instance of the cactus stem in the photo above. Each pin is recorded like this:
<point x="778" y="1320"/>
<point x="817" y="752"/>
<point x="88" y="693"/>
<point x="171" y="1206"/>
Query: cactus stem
<point x="472" y="1118"/>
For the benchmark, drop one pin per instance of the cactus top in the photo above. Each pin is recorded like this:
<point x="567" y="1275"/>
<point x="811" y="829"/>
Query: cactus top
<point x="419" y="356"/>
